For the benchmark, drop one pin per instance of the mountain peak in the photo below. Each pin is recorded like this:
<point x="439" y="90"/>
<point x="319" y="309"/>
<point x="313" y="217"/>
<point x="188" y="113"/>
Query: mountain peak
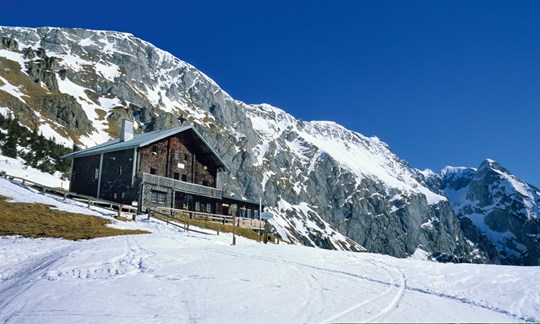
<point x="493" y="165"/>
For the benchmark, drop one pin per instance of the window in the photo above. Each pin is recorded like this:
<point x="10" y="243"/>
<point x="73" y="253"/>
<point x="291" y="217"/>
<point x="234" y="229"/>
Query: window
<point x="154" y="149"/>
<point x="115" y="196"/>
<point x="152" y="171"/>
<point x="249" y="213"/>
<point x="177" y="176"/>
<point x="208" y="207"/>
<point x="176" y="155"/>
<point x="185" y="157"/>
<point x="184" y="177"/>
<point x="161" y="198"/>
<point x="96" y="173"/>
<point x="157" y="197"/>
<point x="197" y="206"/>
<point x="256" y="214"/>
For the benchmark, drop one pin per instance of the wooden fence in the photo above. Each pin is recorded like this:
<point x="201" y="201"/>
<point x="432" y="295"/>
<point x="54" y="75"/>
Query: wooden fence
<point x="173" y="220"/>
<point x="224" y="219"/>
<point x="89" y="200"/>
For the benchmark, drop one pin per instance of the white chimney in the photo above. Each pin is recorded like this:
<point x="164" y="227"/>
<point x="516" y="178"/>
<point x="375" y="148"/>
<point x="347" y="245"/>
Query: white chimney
<point x="126" y="133"/>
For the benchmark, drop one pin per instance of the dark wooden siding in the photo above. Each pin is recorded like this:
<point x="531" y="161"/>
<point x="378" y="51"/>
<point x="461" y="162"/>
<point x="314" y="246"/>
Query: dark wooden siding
<point x="117" y="175"/>
<point x="178" y="157"/>
<point x="83" y="175"/>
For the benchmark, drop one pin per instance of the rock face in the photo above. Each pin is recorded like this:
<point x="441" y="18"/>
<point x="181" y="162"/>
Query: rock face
<point x="330" y="187"/>
<point x="504" y="210"/>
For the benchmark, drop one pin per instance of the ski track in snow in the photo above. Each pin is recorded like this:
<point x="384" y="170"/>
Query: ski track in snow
<point x="398" y="285"/>
<point x="374" y="301"/>
<point x="131" y="262"/>
<point x="377" y="307"/>
<point x="26" y="276"/>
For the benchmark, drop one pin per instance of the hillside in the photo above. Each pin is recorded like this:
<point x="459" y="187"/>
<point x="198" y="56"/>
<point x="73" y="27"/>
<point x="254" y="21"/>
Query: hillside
<point x="330" y="187"/>
<point x="171" y="276"/>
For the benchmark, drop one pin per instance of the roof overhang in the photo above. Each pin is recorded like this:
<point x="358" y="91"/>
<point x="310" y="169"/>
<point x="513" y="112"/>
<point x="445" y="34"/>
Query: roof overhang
<point x="145" y="139"/>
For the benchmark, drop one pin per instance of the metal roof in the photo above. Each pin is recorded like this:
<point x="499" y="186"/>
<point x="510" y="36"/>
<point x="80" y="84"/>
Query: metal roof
<point x="140" y="140"/>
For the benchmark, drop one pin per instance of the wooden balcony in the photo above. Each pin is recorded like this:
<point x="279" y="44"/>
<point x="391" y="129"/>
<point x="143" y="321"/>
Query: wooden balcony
<point x="181" y="186"/>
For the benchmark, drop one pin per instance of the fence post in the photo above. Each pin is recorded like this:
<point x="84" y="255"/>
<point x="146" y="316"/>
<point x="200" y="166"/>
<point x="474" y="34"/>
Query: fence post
<point x="233" y="211"/>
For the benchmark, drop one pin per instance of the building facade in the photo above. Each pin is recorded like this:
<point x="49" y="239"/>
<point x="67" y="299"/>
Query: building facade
<point x="174" y="168"/>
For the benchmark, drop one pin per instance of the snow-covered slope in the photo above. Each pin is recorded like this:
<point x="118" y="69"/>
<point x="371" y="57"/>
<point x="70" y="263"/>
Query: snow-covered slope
<point x="170" y="276"/>
<point x="365" y="157"/>
<point x="17" y="168"/>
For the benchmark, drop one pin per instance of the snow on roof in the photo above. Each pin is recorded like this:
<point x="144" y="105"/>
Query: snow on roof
<point x="140" y="140"/>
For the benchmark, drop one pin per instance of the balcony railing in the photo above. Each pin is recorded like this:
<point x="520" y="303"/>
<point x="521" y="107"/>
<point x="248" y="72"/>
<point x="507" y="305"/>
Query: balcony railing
<point x="182" y="186"/>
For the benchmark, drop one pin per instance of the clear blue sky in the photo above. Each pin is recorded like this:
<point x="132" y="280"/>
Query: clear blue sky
<point x="442" y="82"/>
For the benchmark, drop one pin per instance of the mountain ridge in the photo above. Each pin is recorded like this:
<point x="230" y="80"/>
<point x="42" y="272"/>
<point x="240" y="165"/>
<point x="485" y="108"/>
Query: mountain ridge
<point x="331" y="187"/>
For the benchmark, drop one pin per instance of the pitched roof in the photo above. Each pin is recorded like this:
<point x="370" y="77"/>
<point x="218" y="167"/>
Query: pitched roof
<point x="140" y="140"/>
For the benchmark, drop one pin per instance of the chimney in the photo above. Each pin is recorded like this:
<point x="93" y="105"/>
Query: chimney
<point x="126" y="133"/>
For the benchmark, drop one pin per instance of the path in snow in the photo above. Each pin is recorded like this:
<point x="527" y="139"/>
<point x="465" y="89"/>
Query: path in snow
<point x="26" y="275"/>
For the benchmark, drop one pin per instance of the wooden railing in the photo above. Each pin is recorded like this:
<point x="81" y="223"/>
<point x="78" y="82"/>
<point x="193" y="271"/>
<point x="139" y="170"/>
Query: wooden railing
<point x="187" y="187"/>
<point x="172" y="220"/>
<point x="89" y="200"/>
<point x="224" y="219"/>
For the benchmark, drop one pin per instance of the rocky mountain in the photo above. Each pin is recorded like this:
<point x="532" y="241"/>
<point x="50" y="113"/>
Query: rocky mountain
<point x="503" y="208"/>
<point x="330" y="187"/>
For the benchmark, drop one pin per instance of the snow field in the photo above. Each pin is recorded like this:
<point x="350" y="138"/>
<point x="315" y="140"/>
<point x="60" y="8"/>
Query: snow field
<point x="16" y="167"/>
<point x="171" y="276"/>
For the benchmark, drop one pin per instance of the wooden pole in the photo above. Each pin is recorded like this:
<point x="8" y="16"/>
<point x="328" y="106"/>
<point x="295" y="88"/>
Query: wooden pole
<point x="187" y="217"/>
<point x="265" y="231"/>
<point x="260" y="211"/>
<point x="234" y="229"/>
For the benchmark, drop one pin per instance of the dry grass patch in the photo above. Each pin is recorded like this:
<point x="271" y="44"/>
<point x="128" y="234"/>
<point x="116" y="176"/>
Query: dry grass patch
<point x="12" y="72"/>
<point x="123" y="219"/>
<point x="39" y="220"/>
